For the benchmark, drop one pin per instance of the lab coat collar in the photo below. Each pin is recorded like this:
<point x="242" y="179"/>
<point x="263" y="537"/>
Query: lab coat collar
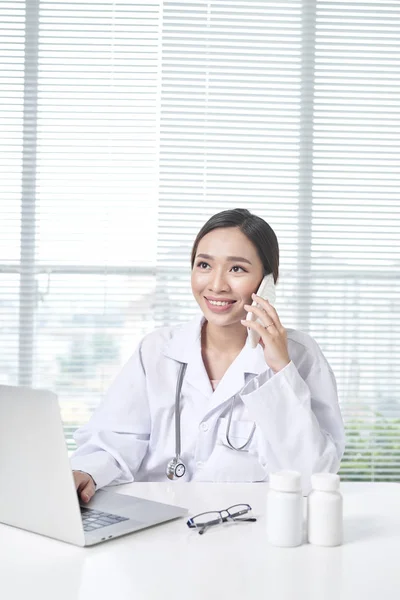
<point x="185" y="347"/>
<point x="184" y="339"/>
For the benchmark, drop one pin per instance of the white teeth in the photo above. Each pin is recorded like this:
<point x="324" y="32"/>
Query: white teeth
<point x="215" y="303"/>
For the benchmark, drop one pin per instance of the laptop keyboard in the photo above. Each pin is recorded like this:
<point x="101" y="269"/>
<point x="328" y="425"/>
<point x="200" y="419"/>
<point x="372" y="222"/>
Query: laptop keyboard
<point x="94" y="519"/>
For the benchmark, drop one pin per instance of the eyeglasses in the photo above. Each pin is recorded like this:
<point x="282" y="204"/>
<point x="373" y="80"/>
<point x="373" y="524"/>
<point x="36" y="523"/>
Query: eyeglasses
<point x="207" y="519"/>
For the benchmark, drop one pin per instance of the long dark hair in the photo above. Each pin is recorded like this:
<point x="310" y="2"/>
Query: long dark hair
<point x="254" y="228"/>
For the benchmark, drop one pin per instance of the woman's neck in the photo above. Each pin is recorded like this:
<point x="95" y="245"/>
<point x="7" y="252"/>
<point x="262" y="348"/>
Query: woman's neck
<point x="227" y="340"/>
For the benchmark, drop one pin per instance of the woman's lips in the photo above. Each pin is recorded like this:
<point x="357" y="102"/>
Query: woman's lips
<point x="219" y="309"/>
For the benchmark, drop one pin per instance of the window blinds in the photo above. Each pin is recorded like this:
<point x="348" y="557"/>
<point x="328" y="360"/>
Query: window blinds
<point x="291" y="109"/>
<point x="128" y="124"/>
<point x="355" y="311"/>
<point x="78" y="219"/>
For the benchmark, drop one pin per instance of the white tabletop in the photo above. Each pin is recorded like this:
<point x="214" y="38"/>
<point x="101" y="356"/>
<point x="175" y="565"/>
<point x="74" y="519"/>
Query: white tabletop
<point x="231" y="561"/>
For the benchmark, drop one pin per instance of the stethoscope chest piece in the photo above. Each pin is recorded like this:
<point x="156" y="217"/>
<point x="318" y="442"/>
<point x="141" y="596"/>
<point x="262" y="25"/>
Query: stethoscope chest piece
<point x="175" y="469"/>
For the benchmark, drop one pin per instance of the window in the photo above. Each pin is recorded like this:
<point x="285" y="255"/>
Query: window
<point x="126" y="125"/>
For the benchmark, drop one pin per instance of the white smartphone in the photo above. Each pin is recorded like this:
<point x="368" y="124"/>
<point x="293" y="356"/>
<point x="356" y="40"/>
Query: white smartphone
<point x="267" y="291"/>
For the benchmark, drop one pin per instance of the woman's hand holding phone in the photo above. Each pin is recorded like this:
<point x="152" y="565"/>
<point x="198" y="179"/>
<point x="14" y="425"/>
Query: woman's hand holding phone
<point x="273" y="336"/>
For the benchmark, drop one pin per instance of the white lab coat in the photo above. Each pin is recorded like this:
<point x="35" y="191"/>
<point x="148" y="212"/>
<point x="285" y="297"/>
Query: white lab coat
<point x="131" y="436"/>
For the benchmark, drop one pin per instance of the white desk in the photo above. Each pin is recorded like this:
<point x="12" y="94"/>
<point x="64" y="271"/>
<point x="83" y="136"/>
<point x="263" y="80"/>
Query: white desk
<point x="228" y="562"/>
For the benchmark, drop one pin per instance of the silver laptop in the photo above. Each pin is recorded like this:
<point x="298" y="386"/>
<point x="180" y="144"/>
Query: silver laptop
<point x="37" y="490"/>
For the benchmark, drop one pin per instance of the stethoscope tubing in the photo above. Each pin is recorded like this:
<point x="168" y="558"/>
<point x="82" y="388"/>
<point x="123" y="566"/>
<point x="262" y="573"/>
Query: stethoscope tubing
<point x="228" y="429"/>
<point x="179" y="384"/>
<point x="181" y="375"/>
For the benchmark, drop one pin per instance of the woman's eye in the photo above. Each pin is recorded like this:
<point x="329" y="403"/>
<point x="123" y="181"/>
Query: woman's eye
<point x="237" y="269"/>
<point x="204" y="265"/>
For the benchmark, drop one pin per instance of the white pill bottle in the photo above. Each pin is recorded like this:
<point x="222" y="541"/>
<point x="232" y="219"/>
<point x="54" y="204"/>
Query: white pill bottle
<point x="325" y="510"/>
<point x="285" y="509"/>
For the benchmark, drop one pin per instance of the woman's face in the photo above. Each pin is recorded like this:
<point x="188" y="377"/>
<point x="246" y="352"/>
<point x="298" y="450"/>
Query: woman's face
<point x="226" y="271"/>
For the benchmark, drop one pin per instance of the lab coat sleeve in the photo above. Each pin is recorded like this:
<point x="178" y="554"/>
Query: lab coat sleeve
<point x="112" y="445"/>
<point x="298" y="419"/>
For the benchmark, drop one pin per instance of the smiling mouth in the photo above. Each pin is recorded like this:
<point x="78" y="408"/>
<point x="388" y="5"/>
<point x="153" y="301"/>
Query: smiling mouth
<point x="213" y="303"/>
<point x="220" y="302"/>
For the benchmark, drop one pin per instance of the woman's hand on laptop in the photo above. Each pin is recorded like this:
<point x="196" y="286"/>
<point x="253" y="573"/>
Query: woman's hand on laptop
<point x="84" y="484"/>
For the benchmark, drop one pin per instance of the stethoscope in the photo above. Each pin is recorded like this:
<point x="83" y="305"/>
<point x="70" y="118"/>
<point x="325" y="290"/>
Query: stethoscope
<point x="176" y="467"/>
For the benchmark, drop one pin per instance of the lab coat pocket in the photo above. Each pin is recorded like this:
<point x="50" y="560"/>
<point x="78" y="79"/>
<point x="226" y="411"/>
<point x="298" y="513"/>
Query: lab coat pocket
<point x="238" y="432"/>
<point x="226" y="464"/>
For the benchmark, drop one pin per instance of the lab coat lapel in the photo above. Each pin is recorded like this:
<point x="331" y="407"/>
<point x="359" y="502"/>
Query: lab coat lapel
<point x="196" y="374"/>
<point x="185" y="347"/>
<point x="248" y="363"/>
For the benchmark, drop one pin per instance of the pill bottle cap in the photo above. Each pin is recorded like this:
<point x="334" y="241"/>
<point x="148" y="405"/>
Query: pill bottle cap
<point x="325" y="482"/>
<point x="285" y="481"/>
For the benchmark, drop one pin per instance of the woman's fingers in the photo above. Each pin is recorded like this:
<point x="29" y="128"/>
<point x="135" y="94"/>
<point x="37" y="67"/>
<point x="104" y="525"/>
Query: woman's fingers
<point x="274" y="344"/>
<point x="271" y="332"/>
<point x="256" y="326"/>
<point x="269" y="309"/>
<point x="266" y="321"/>
<point x="84" y="485"/>
<point x="88" y="492"/>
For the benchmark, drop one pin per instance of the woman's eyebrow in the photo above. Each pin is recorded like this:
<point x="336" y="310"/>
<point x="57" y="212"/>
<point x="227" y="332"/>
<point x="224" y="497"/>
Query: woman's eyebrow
<point x="229" y="258"/>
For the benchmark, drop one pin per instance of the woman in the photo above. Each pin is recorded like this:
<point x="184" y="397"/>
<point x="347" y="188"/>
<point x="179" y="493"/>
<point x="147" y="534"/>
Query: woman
<point x="277" y="402"/>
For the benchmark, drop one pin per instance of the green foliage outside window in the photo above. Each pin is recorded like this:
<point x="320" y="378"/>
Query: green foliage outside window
<point x="372" y="450"/>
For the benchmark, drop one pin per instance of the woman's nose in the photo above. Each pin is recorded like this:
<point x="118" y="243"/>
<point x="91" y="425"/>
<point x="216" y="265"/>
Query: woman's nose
<point x="218" y="283"/>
